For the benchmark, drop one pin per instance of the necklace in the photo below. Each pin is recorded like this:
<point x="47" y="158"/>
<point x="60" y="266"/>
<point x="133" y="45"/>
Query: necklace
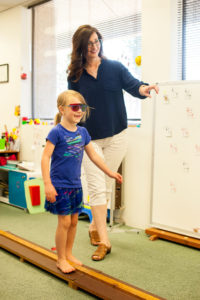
<point x="93" y="69"/>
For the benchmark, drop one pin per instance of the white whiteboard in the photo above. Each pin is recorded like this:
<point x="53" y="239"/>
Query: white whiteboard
<point x="33" y="140"/>
<point x="175" y="203"/>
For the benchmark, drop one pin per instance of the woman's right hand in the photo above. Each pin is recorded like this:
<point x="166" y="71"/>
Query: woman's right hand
<point x="50" y="192"/>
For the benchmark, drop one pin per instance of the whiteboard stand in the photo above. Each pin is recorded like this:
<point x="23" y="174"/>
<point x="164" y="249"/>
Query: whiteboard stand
<point x="175" y="189"/>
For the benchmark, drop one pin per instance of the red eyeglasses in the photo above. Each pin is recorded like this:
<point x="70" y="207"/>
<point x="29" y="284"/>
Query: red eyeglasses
<point x="77" y="106"/>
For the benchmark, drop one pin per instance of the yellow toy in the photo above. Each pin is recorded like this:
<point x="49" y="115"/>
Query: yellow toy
<point x="37" y="121"/>
<point x="17" y="110"/>
<point x="138" y="60"/>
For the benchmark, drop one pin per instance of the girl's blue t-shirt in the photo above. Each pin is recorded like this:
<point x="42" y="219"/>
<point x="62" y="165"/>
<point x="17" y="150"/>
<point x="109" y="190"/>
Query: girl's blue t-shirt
<point x="67" y="155"/>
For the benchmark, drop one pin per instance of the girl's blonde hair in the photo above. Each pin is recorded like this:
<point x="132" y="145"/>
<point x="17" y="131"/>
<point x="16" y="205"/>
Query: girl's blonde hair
<point x="63" y="99"/>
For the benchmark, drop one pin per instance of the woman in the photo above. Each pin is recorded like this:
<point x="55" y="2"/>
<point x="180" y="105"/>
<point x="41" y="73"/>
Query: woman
<point x="101" y="82"/>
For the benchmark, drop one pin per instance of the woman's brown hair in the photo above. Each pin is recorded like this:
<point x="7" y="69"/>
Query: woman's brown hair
<point x="63" y="99"/>
<point x="79" y="51"/>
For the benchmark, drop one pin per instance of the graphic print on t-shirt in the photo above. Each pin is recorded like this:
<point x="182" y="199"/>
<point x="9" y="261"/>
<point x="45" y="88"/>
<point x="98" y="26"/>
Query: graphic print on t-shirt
<point x="74" y="146"/>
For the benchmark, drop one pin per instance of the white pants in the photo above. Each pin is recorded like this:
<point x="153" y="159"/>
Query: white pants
<point x="99" y="185"/>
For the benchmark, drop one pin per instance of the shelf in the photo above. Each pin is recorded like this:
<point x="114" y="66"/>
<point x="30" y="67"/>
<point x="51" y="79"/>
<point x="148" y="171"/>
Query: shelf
<point x="9" y="168"/>
<point x="4" y="199"/>
<point x="11" y="152"/>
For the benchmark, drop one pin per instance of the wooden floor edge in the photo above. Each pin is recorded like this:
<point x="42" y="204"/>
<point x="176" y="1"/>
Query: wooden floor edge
<point x="174" y="237"/>
<point x="84" y="269"/>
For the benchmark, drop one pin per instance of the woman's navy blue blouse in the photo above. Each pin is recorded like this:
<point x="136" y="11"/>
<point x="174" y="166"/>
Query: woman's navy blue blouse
<point x="105" y="95"/>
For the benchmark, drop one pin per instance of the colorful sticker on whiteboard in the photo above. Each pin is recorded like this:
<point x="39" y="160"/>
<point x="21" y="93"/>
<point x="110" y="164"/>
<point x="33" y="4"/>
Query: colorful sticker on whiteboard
<point x="185" y="132"/>
<point x="189" y="112"/>
<point x="197" y="150"/>
<point x="168" y="131"/>
<point x="166" y="99"/>
<point x="173" y="148"/>
<point x="172" y="187"/>
<point x="174" y="93"/>
<point x="188" y="94"/>
<point x="185" y="166"/>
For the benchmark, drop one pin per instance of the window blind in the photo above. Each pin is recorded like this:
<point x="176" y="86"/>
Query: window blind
<point x="191" y="40"/>
<point x="179" y="66"/>
<point x="54" y="25"/>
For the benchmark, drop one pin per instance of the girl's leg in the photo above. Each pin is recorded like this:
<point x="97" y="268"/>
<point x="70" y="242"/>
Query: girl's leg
<point x="64" y="223"/>
<point x="70" y="240"/>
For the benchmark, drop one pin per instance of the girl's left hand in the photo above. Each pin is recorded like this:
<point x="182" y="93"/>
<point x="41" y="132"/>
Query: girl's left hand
<point x="117" y="176"/>
<point x="144" y="90"/>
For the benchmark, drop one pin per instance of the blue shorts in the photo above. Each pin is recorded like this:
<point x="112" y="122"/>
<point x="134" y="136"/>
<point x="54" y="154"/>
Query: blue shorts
<point x="68" y="202"/>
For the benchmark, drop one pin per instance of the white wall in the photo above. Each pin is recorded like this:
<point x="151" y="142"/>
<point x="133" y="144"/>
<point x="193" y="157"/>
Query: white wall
<point x="158" y="52"/>
<point x="15" y="49"/>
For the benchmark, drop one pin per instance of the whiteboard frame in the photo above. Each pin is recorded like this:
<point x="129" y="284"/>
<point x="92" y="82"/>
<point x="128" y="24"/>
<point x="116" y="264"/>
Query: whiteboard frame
<point x="152" y="223"/>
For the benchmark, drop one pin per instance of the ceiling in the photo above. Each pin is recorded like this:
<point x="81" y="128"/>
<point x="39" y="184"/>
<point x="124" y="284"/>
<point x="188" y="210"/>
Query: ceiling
<point x="7" y="4"/>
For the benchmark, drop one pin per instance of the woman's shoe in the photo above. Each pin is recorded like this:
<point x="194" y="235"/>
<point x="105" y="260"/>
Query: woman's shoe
<point x="101" y="252"/>
<point x="94" y="237"/>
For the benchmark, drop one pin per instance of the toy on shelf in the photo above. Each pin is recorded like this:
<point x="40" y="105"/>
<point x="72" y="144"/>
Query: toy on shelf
<point x="10" y="160"/>
<point x="26" y="120"/>
<point x="6" y="133"/>
<point x="10" y="141"/>
<point x="37" y="121"/>
<point x="2" y="144"/>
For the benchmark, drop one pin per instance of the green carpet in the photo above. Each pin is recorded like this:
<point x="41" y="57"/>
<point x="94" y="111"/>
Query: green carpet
<point x="166" y="269"/>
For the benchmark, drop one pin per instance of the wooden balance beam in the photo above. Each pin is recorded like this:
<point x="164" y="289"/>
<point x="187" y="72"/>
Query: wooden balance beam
<point x="156" y="233"/>
<point x="94" y="282"/>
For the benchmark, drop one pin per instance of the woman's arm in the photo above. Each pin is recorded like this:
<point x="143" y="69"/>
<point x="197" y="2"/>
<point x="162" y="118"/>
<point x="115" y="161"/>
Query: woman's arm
<point x="50" y="191"/>
<point x="135" y="87"/>
<point x="98" y="161"/>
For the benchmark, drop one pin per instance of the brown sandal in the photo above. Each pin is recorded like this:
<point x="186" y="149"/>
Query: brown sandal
<point x="101" y="252"/>
<point x="94" y="237"/>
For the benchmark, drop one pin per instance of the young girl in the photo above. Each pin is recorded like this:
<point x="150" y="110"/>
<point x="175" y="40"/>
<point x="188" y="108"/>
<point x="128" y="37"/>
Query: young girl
<point x="65" y="145"/>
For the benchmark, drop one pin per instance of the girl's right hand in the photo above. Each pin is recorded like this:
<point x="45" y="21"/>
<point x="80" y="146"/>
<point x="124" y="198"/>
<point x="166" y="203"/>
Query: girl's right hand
<point x="118" y="177"/>
<point x="50" y="193"/>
